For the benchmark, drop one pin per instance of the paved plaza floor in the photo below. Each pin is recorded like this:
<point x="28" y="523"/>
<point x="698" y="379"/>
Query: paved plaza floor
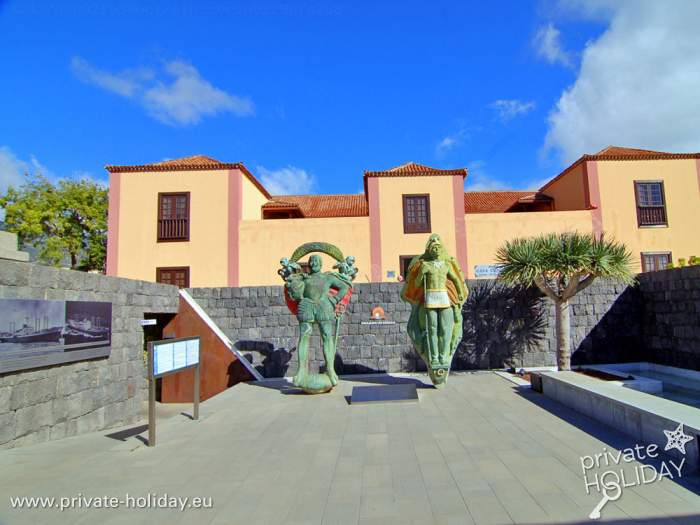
<point x="480" y="451"/>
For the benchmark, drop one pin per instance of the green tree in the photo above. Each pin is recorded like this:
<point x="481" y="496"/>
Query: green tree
<point x="561" y="265"/>
<point x="67" y="220"/>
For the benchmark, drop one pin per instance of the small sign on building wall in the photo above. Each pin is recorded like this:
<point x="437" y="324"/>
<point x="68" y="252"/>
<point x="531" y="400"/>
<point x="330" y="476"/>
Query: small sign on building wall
<point x="486" y="270"/>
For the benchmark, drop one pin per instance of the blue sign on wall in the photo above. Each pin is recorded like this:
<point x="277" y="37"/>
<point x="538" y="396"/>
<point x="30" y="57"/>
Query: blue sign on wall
<point x="486" y="270"/>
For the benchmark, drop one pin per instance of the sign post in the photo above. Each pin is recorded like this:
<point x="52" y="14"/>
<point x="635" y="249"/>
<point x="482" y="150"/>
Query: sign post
<point x="169" y="357"/>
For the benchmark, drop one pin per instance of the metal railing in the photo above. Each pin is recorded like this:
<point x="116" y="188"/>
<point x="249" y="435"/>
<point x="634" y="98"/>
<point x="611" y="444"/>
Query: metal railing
<point x="652" y="215"/>
<point x="173" y="229"/>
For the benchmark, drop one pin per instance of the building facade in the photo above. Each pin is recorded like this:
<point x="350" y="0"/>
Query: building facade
<point x="203" y="223"/>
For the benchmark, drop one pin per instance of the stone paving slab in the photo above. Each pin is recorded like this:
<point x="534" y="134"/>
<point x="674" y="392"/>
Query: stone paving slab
<point x="480" y="451"/>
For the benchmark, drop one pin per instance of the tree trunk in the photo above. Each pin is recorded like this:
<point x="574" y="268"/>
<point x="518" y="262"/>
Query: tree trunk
<point x="73" y="261"/>
<point x="563" y="329"/>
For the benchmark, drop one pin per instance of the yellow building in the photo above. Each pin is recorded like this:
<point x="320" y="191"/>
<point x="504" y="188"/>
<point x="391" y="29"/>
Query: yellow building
<point x="200" y="222"/>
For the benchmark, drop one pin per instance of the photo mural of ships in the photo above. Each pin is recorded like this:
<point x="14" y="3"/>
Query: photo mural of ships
<point x="32" y="334"/>
<point x="87" y="322"/>
<point x="31" y="328"/>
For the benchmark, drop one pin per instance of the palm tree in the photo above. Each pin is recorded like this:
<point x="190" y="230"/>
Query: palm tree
<point x="561" y="265"/>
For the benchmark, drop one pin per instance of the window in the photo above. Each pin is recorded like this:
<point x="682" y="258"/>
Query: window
<point x="179" y="276"/>
<point x="404" y="262"/>
<point x="173" y="217"/>
<point x="651" y="204"/>
<point x="416" y="213"/>
<point x="652" y="262"/>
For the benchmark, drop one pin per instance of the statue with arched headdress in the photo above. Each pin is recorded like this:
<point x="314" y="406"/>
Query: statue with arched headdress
<point x="434" y="286"/>
<point x="317" y="298"/>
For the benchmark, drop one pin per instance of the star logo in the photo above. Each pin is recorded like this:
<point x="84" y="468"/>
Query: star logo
<point x="677" y="439"/>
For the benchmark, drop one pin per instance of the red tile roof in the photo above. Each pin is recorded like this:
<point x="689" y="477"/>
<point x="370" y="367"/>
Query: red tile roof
<point x="317" y="206"/>
<point x="621" y="153"/>
<point x="192" y="163"/>
<point x="412" y="169"/>
<point x="194" y="160"/>
<point x="497" y="201"/>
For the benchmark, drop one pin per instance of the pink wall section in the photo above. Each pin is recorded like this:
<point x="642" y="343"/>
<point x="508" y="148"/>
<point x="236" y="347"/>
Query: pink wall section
<point x="113" y="224"/>
<point x="594" y="197"/>
<point x="460" y="227"/>
<point x="697" y="169"/>
<point x="235" y="213"/>
<point x="375" y="235"/>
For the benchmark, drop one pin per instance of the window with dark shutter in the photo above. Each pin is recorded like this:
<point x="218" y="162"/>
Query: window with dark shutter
<point x="651" y="203"/>
<point x="404" y="263"/>
<point x="173" y="217"/>
<point x="652" y="262"/>
<point x="416" y="213"/>
<point x="179" y="276"/>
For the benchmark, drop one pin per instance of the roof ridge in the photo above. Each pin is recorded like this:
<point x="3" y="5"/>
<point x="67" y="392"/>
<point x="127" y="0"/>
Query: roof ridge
<point x="619" y="150"/>
<point x="198" y="156"/>
<point x="318" y="195"/>
<point x="501" y="191"/>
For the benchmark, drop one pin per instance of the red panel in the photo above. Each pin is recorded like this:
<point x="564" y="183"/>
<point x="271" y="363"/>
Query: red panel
<point x="219" y="367"/>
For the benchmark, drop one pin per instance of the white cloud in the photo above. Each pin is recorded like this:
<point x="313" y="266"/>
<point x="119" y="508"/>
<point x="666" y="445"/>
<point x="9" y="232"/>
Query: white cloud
<point x="13" y="169"/>
<point x="507" y="109"/>
<point x="637" y="86"/>
<point x="548" y="45"/>
<point x="451" y="141"/>
<point x="89" y="177"/>
<point x="479" y="179"/>
<point x="286" y="181"/>
<point x="189" y="97"/>
<point x="178" y="95"/>
<point x="125" y="83"/>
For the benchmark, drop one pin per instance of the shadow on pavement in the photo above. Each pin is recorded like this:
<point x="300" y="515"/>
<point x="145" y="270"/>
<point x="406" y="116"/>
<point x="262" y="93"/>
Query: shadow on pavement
<point x="386" y="379"/>
<point x="613" y="438"/>
<point x="125" y="434"/>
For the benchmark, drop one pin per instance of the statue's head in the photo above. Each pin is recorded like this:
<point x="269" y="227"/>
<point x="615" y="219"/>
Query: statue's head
<point x="434" y="249"/>
<point x="350" y="259"/>
<point x="315" y="263"/>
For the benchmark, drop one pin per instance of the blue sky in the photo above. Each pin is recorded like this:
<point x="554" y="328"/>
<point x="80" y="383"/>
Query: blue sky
<point x="310" y="94"/>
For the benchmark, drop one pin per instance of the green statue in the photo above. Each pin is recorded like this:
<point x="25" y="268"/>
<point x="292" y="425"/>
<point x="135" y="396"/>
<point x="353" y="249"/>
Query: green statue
<point x="317" y="298"/>
<point x="435" y="288"/>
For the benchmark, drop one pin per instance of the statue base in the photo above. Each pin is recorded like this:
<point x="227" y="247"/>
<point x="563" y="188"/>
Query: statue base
<point x="314" y="383"/>
<point x="438" y="375"/>
<point x="384" y="394"/>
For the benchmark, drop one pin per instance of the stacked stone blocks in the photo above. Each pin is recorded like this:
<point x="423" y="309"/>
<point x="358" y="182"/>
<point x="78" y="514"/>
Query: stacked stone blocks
<point x="69" y="399"/>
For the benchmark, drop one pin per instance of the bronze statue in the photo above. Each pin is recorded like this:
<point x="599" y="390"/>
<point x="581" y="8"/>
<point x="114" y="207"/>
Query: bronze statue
<point x="317" y="299"/>
<point x="435" y="288"/>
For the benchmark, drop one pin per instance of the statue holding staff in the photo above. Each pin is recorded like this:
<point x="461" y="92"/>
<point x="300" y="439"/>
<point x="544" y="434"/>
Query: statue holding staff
<point x="317" y="298"/>
<point x="435" y="288"/>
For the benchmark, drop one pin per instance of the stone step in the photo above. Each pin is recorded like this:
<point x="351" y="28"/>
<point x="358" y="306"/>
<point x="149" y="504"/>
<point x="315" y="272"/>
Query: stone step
<point x="13" y="255"/>
<point x="8" y="241"/>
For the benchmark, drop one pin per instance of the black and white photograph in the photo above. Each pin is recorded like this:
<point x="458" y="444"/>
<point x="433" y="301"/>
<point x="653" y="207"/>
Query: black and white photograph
<point x="36" y="333"/>
<point x="87" y="322"/>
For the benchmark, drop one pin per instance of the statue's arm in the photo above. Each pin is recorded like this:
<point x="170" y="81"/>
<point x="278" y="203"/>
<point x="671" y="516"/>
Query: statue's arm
<point x="412" y="279"/>
<point x="342" y="288"/>
<point x="456" y="279"/>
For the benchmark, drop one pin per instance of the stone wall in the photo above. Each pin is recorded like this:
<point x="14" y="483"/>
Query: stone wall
<point x="64" y="400"/>
<point x="502" y="327"/>
<point x="514" y="326"/>
<point x="671" y="316"/>
<point x="258" y="322"/>
<point x="8" y="247"/>
<point x="658" y="321"/>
